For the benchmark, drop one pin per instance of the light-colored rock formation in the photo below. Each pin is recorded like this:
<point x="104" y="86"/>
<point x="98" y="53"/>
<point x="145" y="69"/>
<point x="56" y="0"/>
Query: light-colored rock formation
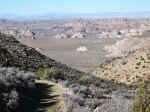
<point x="28" y="33"/>
<point x="82" y="49"/>
<point x="77" y="28"/>
<point x="78" y="35"/>
<point x="121" y="46"/>
<point x="62" y="36"/>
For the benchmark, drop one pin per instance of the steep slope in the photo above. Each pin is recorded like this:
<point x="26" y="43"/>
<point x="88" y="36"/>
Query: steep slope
<point x="27" y="58"/>
<point x="133" y="68"/>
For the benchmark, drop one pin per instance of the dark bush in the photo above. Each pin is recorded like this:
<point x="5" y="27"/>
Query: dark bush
<point x="14" y="85"/>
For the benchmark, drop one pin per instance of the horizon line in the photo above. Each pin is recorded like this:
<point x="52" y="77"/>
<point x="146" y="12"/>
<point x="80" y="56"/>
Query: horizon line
<point x="105" y="12"/>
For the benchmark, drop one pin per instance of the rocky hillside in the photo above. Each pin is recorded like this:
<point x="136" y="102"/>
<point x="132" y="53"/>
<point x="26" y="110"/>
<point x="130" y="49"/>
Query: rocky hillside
<point x="86" y="93"/>
<point x="133" y="68"/>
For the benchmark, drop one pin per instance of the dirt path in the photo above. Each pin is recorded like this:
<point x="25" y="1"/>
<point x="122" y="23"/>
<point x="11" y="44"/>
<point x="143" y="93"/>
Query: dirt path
<point x="51" y="96"/>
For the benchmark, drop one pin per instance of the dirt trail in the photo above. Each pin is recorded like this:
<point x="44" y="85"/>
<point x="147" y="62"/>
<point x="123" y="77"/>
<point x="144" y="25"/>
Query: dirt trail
<point x="53" y="99"/>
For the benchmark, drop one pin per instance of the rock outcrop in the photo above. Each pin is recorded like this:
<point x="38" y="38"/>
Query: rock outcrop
<point x="101" y="28"/>
<point x="78" y="35"/>
<point x="62" y="36"/>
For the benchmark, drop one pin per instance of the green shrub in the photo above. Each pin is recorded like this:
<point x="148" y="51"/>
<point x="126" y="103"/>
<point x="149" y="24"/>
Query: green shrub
<point x="55" y="73"/>
<point x="50" y="73"/>
<point x="86" y="80"/>
<point x="40" y="73"/>
<point x="143" y="100"/>
<point x="70" y="76"/>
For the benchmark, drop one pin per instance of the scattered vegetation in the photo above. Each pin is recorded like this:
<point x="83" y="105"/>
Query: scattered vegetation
<point x="51" y="73"/>
<point x="55" y="73"/>
<point x="86" y="80"/>
<point x="142" y="103"/>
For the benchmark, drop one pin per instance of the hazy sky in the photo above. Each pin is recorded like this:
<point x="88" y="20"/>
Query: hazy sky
<point x="72" y="6"/>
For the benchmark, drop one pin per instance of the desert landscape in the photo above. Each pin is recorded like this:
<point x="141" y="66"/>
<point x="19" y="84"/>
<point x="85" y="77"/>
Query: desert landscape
<point x="75" y="65"/>
<point x="81" y="43"/>
<point x="74" y="56"/>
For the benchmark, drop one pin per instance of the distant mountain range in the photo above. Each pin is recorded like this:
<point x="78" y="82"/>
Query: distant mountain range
<point x="80" y="15"/>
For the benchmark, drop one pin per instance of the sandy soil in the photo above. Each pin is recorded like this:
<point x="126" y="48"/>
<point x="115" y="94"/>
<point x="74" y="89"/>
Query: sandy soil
<point x="65" y="51"/>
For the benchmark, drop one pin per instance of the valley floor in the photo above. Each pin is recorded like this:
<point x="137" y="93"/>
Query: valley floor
<point x="98" y="50"/>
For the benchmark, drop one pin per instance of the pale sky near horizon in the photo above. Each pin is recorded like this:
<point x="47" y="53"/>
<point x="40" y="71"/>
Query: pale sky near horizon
<point x="72" y="6"/>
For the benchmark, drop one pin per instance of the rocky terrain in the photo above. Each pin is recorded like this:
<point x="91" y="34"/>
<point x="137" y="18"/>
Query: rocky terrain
<point x="129" y="63"/>
<point x="76" y="28"/>
<point x="60" y="39"/>
<point x="126" y="45"/>
<point x="86" y="92"/>
<point x="131" y="68"/>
